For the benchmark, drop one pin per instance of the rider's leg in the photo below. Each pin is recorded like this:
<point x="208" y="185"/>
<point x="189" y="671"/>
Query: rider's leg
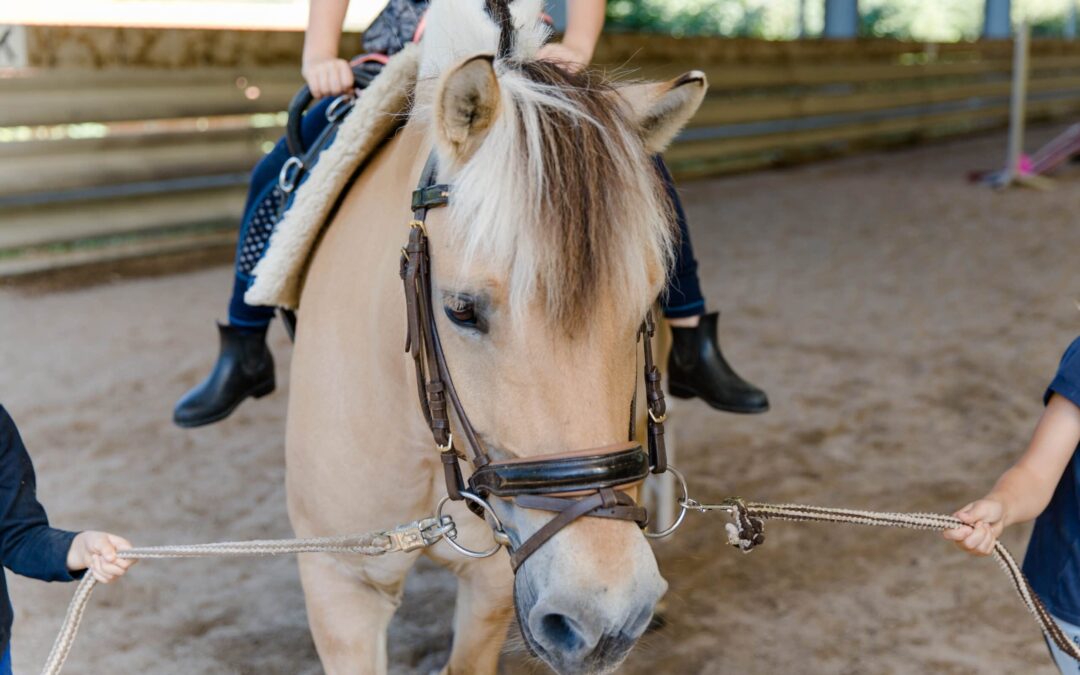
<point x="696" y="366"/>
<point x="245" y="367"/>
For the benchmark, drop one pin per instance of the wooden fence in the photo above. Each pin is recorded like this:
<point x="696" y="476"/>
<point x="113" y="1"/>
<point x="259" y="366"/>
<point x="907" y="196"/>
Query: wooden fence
<point x="121" y="143"/>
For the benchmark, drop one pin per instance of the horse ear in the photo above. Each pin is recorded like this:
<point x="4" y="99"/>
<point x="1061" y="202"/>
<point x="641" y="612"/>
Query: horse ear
<point x="662" y="109"/>
<point x="466" y="105"/>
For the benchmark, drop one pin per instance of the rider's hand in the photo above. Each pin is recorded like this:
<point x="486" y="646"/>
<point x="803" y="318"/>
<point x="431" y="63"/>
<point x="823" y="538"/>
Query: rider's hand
<point x="984" y="520"/>
<point x="328" y="77"/>
<point x="563" y="55"/>
<point x="96" y="551"/>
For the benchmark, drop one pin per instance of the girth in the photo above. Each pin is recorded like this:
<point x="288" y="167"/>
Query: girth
<point x="572" y="485"/>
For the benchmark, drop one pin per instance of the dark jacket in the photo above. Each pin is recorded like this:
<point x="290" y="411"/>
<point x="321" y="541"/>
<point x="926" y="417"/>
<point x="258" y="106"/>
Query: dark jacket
<point x="394" y="27"/>
<point x="28" y="546"/>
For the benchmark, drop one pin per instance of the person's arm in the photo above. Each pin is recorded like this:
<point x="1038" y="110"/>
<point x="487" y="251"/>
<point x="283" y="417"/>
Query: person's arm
<point x="584" y="22"/>
<point x="325" y="73"/>
<point x="28" y="546"/>
<point x="1024" y="490"/>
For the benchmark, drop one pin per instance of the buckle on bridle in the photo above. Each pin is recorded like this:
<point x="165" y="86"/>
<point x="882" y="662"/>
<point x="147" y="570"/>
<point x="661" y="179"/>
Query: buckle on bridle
<point x="421" y="533"/>
<point x="449" y="444"/>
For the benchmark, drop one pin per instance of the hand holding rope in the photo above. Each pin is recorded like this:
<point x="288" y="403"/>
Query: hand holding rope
<point x="747" y="531"/>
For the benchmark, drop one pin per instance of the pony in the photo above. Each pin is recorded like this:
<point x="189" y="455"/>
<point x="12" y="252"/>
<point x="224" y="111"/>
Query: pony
<point x="557" y="240"/>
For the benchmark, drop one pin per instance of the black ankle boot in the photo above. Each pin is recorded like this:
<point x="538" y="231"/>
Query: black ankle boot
<point x="244" y="368"/>
<point x="697" y="368"/>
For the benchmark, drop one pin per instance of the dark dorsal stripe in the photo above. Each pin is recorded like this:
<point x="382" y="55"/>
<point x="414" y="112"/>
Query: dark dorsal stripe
<point x="499" y="11"/>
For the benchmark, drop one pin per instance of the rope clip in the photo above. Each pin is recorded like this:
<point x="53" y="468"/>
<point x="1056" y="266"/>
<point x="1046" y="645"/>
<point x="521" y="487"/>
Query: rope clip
<point x="420" y="533"/>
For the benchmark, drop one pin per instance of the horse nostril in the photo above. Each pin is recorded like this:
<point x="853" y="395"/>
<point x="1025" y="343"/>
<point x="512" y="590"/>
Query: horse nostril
<point x="559" y="633"/>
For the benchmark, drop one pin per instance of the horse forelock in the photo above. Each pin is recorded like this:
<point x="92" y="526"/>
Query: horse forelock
<point x="562" y="197"/>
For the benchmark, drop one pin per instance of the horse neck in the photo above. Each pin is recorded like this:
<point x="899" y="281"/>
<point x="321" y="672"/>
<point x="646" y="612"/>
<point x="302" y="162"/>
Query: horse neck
<point x="352" y="327"/>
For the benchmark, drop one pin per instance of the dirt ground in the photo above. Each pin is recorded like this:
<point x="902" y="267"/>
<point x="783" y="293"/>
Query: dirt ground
<point x="903" y="322"/>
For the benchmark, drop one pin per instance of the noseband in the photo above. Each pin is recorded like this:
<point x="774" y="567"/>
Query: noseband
<point x="571" y="485"/>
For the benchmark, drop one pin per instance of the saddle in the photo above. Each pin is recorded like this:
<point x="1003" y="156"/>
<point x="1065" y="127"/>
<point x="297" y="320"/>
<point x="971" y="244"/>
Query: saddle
<point x="315" y="178"/>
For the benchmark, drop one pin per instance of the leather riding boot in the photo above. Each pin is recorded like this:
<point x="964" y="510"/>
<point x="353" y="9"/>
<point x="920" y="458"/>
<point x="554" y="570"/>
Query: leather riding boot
<point x="244" y="368"/>
<point x="697" y="368"/>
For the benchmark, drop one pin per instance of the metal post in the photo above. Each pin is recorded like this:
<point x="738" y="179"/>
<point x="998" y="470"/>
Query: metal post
<point x="1017" y="116"/>
<point x="801" y="28"/>
<point x="997" y="24"/>
<point x="1018" y="105"/>
<point x="1070" y="21"/>
<point x="841" y="19"/>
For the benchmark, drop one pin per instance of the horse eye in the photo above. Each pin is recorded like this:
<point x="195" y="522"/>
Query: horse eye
<point x="462" y="311"/>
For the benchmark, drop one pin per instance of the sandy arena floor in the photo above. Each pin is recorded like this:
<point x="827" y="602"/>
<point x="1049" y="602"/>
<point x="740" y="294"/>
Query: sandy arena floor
<point x="903" y="321"/>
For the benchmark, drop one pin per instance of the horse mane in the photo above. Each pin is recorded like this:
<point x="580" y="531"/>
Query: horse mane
<point x="561" y="193"/>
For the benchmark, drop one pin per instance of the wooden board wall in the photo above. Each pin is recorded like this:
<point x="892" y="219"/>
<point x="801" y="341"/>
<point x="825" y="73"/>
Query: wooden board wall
<point x="131" y="141"/>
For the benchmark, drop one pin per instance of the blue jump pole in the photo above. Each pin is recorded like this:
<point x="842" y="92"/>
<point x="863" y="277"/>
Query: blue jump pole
<point x="841" y="19"/>
<point x="997" y="24"/>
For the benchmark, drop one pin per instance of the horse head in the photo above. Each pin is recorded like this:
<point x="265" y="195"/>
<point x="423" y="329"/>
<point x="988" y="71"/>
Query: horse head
<point x="557" y="239"/>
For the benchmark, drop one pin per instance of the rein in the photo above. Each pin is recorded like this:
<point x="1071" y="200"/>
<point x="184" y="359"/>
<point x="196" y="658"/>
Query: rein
<point x="572" y="485"/>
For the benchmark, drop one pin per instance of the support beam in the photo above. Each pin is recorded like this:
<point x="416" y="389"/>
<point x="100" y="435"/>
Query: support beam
<point x="13" y="47"/>
<point x="841" y="19"/>
<point x="997" y="23"/>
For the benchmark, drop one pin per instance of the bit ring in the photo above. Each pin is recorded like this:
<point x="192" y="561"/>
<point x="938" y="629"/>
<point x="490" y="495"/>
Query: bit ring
<point x="683" y="508"/>
<point x="497" y="532"/>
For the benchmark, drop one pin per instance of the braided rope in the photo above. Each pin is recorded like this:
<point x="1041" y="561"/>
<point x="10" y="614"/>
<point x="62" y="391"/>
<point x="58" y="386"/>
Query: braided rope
<point x="747" y="533"/>
<point x="370" y="544"/>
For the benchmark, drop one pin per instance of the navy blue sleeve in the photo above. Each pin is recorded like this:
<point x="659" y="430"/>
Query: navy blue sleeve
<point x="28" y="546"/>
<point x="1067" y="381"/>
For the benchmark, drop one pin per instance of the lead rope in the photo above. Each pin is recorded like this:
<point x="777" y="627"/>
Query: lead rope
<point x="747" y="533"/>
<point x="415" y="535"/>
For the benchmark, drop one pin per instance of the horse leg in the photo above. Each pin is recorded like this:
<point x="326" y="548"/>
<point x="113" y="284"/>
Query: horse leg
<point x="484" y="608"/>
<point x="347" y="615"/>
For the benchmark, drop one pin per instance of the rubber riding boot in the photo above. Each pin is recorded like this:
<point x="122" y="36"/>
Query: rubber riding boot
<point x="244" y="368"/>
<point x="697" y="368"/>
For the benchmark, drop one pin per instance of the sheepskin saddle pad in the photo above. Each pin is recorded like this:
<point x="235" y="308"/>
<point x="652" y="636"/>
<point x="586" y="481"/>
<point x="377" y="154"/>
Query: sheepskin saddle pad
<point x="380" y="110"/>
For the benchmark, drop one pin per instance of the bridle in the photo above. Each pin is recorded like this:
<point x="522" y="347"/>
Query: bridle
<point x="572" y="485"/>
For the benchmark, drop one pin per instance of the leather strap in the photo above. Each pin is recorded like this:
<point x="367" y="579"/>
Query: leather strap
<point x="430" y="197"/>
<point x="654" y="400"/>
<point x="603" y="501"/>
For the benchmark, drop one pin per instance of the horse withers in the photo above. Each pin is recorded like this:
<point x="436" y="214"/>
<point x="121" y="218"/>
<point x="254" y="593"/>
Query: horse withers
<point x="556" y="240"/>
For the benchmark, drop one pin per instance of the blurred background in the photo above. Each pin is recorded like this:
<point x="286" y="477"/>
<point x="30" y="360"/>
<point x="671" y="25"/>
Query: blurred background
<point x="127" y="126"/>
<point x="903" y="319"/>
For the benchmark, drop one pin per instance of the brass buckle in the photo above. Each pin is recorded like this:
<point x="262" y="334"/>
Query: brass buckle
<point x="449" y="443"/>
